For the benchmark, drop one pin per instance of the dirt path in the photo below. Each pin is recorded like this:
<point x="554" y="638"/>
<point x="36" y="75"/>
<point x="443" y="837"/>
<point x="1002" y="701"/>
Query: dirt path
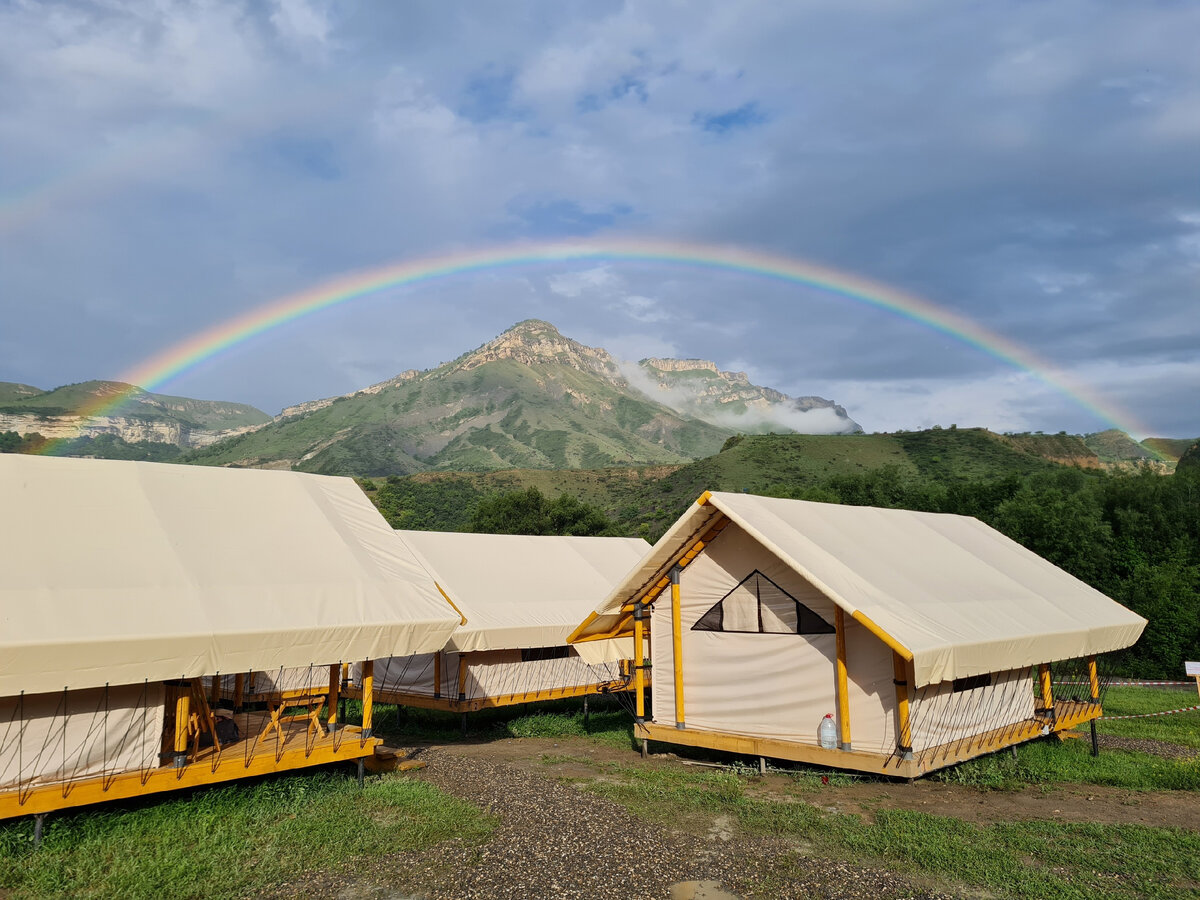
<point x="1066" y="803"/>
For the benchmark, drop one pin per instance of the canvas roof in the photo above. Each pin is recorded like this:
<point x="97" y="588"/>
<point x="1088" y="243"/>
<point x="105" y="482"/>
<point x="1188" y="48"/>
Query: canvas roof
<point x="521" y="591"/>
<point x="115" y="572"/>
<point x="959" y="596"/>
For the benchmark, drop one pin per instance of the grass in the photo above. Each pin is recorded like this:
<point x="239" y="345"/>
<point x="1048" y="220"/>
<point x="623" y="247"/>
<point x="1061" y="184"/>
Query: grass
<point x="1182" y="728"/>
<point x="1027" y="859"/>
<point x="1049" y="762"/>
<point x="230" y="841"/>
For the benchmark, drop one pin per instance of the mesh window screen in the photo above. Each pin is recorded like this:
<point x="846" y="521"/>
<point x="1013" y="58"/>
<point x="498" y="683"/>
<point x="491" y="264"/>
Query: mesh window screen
<point x="760" y="606"/>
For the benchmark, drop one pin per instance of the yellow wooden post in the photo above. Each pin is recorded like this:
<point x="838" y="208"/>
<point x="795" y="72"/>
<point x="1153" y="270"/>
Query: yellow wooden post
<point x="437" y="674"/>
<point x="335" y="687"/>
<point x="462" y="676"/>
<point x="639" y="679"/>
<point x="904" y="728"/>
<point x="843" y="693"/>
<point x="368" y="695"/>
<point x="1047" y="693"/>
<point x="239" y="690"/>
<point x="677" y="646"/>
<point x="183" y="701"/>
<point x="1094" y="678"/>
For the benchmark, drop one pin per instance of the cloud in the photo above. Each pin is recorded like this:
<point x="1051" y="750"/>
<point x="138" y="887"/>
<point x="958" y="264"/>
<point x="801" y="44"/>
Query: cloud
<point x="165" y="166"/>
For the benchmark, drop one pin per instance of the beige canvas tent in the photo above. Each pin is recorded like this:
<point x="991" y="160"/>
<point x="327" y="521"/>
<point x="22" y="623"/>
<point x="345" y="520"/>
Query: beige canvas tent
<point x="521" y="596"/>
<point x="122" y="584"/>
<point x="928" y="638"/>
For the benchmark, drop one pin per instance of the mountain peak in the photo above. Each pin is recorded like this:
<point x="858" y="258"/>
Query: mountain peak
<point x="532" y="328"/>
<point x="535" y="342"/>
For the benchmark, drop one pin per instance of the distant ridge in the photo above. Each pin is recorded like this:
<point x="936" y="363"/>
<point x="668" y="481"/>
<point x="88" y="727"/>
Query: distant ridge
<point x="140" y="416"/>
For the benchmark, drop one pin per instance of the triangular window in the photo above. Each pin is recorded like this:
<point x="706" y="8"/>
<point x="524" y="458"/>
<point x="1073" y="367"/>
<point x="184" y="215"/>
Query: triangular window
<point x="760" y="606"/>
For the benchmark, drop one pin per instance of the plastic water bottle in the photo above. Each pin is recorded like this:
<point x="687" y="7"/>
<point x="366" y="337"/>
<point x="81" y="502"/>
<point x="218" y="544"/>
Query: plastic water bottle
<point x="827" y="733"/>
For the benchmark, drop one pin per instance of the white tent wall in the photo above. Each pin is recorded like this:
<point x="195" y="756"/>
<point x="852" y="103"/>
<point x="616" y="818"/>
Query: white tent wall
<point x="871" y="690"/>
<point x="490" y="673"/>
<point x="63" y="736"/>
<point x="291" y="678"/>
<point x="768" y="685"/>
<point x="939" y="715"/>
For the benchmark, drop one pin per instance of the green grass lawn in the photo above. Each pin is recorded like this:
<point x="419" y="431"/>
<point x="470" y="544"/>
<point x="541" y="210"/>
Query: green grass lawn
<point x="1183" y="728"/>
<point x="230" y="841"/>
<point x="1017" y="860"/>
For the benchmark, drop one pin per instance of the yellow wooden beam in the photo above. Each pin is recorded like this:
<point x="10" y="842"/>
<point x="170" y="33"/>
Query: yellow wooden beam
<point x="639" y="683"/>
<point x="227" y="766"/>
<point x="462" y="618"/>
<point x="677" y="646"/>
<point x="462" y="676"/>
<point x="843" y="691"/>
<point x="368" y="695"/>
<point x="774" y="748"/>
<point x="1047" y="690"/>
<point x="896" y="647"/>
<point x="703" y="499"/>
<point x="239" y="690"/>
<point x="1094" y="678"/>
<point x="335" y="685"/>
<point x="182" y="717"/>
<point x="903" y="726"/>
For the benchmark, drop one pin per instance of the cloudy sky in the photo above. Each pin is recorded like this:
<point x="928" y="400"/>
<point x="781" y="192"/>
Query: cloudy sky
<point x="1033" y="167"/>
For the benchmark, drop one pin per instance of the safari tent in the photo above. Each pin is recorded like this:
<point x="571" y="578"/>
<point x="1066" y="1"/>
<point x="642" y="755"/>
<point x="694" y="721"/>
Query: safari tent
<point x="123" y="584"/>
<point x="520" y="596"/>
<point x="928" y="638"/>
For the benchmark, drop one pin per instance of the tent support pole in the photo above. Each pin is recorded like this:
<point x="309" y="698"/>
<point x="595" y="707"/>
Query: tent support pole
<point x="843" y="693"/>
<point x="904" y="729"/>
<point x="585" y="711"/>
<point x="335" y="686"/>
<point x="437" y="674"/>
<point x="1094" y="678"/>
<point x="215" y="695"/>
<point x="239" y="691"/>
<point x="368" y="695"/>
<point x="361" y="767"/>
<point x="39" y="824"/>
<point x="183" y="701"/>
<point x="639" y="662"/>
<point x="1047" y="692"/>
<point x="677" y="646"/>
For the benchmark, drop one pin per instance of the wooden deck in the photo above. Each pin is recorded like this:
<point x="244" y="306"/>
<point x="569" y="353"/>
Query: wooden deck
<point x="1067" y="715"/>
<point x="295" y="747"/>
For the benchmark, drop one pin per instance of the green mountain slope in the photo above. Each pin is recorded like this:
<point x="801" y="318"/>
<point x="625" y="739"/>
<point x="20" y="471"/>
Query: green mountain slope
<point x="212" y="415"/>
<point x="647" y="499"/>
<point x="529" y="399"/>
<point x="13" y="392"/>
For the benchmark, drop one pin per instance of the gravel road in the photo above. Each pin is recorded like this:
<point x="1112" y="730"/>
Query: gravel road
<point x="555" y="841"/>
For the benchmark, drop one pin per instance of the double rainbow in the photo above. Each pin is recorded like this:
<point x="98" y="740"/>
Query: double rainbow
<point x="184" y="355"/>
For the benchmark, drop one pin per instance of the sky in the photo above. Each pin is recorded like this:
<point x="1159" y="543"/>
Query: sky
<point x="1033" y="167"/>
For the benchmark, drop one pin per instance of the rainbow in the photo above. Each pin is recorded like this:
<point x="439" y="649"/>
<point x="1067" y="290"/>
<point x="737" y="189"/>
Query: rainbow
<point x="184" y="355"/>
